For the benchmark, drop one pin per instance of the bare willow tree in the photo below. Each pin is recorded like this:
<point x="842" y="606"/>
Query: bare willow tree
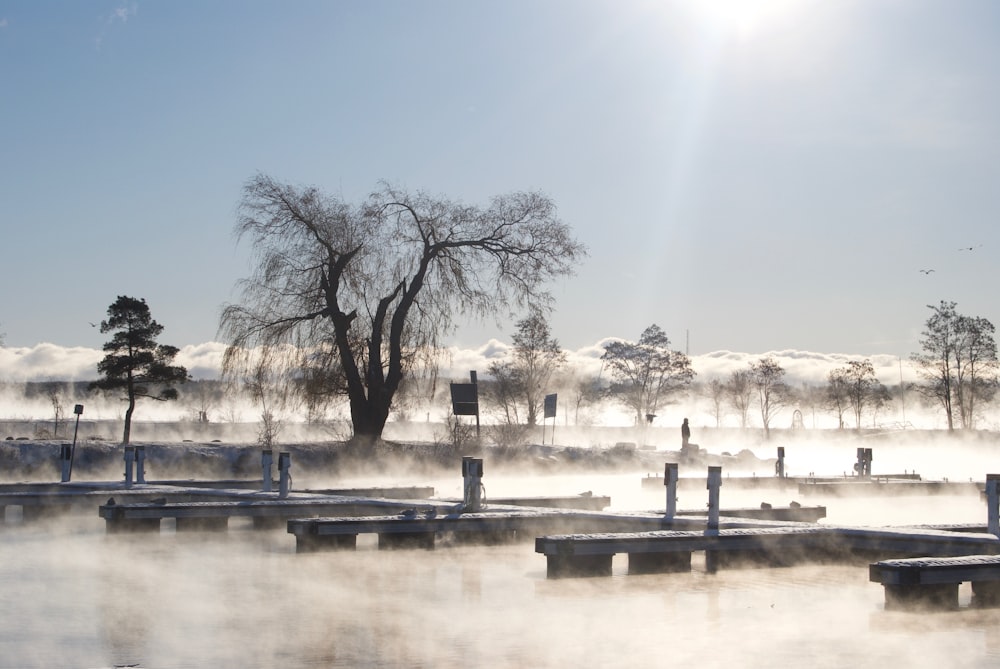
<point x="381" y="283"/>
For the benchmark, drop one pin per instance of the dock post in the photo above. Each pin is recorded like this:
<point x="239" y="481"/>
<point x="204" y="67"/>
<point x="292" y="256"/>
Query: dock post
<point x="864" y="465"/>
<point x="140" y="464"/>
<point x="65" y="459"/>
<point x="779" y="468"/>
<point x="284" y="464"/>
<point x="129" y="461"/>
<point x="670" y="481"/>
<point x="472" y="475"/>
<point x="714" y="482"/>
<point x="992" y="509"/>
<point x="266" y="462"/>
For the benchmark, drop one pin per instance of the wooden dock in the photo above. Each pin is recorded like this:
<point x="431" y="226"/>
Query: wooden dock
<point x="933" y="582"/>
<point x="881" y="486"/>
<point x="49" y="500"/>
<point x="591" y="554"/>
<point x="266" y="512"/>
<point x="420" y="527"/>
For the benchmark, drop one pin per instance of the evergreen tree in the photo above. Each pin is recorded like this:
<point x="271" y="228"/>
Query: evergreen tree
<point x="135" y="363"/>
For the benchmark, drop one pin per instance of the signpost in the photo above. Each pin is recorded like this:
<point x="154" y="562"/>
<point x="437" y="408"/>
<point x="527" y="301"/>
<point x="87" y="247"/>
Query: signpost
<point x="465" y="399"/>
<point x="549" y="411"/>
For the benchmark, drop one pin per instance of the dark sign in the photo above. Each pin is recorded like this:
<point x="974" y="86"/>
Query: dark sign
<point x="550" y="406"/>
<point x="465" y="399"/>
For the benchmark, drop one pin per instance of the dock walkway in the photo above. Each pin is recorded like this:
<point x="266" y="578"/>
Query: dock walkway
<point x="659" y="551"/>
<point x="933" y="582"/>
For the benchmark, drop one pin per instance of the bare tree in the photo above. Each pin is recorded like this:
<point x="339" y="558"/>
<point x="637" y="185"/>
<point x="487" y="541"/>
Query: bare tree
<point x="523" y="380"/>
<point x="716" y="392"/>
<point x="975" y="365"/>
<point x="934" y="364"/>
<point x="837" y="394"/>
<point x="864" y="391"/>
<point x="740" y="390"/>
<point x="54" y="390"/>
<point x="766" y="375"/>
<point x="381" y="283"/>
<point x="646" y="373"/>
<point x="504" y="389"/>
<point x="958" y="361"/>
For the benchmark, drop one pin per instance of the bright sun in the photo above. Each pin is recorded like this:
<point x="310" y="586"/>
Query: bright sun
<point x="742" y="18"/>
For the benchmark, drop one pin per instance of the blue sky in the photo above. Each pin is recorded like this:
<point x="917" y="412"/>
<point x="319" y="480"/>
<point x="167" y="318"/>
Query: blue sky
<point x="751" y="176"/>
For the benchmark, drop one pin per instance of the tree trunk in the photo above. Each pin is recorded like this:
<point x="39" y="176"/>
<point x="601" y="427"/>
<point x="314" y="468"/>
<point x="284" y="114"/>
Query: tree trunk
<point x="128" y="422"/>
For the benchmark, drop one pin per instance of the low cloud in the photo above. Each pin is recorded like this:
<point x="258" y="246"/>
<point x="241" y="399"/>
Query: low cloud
<point x="45" y="362"/>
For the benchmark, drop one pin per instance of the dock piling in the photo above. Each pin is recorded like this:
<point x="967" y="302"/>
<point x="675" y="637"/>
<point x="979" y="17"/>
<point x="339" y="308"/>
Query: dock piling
<point x="65" y="459"/>
<point x="670" y="481"/>
<point x="992" y="508"/>
<point x="714" y="482"/>
<point x="140" y="464"/>
<point x="266" y="462"/>
<point x="284" y="465"/>
<point x="472" y="475"/>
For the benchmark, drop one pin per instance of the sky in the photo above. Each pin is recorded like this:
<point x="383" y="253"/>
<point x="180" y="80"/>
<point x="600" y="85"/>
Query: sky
<point x="750" y="176"/>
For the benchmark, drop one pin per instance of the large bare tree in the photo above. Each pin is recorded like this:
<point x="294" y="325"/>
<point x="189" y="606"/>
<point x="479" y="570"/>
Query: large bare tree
<point x="382" y="282"/>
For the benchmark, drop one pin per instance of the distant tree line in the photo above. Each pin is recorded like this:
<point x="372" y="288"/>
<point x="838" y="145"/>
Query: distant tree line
<point x="958" y="367"/>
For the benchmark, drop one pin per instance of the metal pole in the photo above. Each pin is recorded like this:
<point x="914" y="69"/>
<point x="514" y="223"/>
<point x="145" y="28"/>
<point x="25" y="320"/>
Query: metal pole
<point x="78" y="410"/>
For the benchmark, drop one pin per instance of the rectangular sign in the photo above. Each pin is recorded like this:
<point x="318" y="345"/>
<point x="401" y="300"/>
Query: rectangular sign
<point x="550" y="406"/>
<point x="465" y="399"/>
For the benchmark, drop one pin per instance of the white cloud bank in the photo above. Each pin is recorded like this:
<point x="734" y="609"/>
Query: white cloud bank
<point x="48" y="362"/>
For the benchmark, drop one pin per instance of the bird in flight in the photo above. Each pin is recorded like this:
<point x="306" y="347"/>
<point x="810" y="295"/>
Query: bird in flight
<point x="926" y="271"/>
<point x="970" y="248"/>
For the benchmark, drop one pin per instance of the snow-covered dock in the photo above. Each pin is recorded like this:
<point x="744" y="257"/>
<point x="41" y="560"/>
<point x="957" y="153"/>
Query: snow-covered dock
<point x="933" y="582"/>
<point x="658" y="551"/>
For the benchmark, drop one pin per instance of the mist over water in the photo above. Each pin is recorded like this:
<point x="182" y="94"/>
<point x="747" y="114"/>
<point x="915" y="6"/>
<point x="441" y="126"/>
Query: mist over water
<point x="72" y="596"/>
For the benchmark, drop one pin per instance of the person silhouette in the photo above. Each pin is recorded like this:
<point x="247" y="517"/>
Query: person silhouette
<point x="685" y="434"/>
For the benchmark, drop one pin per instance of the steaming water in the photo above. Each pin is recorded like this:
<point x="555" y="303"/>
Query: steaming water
<point x="71" y="596"/>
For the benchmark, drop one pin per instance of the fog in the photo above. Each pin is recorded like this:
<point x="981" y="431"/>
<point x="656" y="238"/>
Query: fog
<point x="71" y="368"/>
<point x="45" y="361"/>
<point x="73" y="596"/>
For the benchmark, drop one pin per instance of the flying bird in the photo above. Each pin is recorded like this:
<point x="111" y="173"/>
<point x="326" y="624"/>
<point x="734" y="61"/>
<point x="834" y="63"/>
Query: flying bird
<point x="969" y="248"/>
<point x="926" y="271"/>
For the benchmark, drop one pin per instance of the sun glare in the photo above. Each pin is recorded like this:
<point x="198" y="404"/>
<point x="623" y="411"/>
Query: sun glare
<point x="742" y="18"/>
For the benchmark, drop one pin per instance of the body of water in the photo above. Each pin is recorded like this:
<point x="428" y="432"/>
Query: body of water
<point x="72" y="596"/>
